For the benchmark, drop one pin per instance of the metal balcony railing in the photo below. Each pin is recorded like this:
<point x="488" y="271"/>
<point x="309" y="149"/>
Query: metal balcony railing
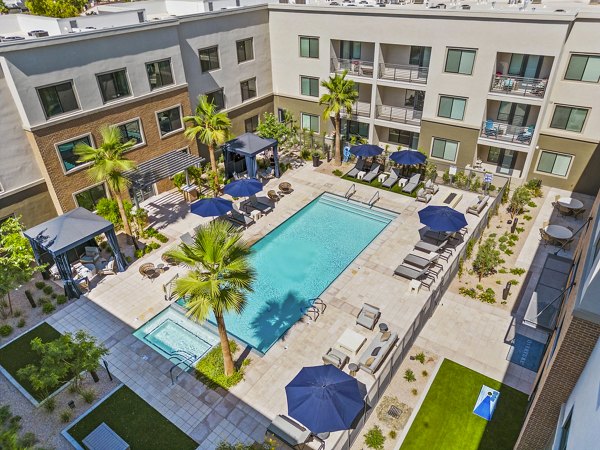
<point x="403" y="72"/>
<point x="507" y="133"/>
<point x="527" y="87"/>
<point x="356" y="67"/>
<point x="398" y="114"/>
<point x="362" y="109"/>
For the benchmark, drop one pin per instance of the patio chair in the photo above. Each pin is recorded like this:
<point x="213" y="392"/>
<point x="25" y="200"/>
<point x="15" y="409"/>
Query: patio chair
<point x="109" y="268"/>
<point x="373" y="172"/>
<point x="368" y="316"/>
<point x="490" y="129"/>
<point x="423" y="196"/>
<point x="563" y="210"/>
<point x="431" y="187"/>
<point x="273" y="196"/>
<point x="578" y="212"/>
<point x="546" y="238"/>
<point x="336" y="358"/>
<point x="392" y="179"/>
<point x="267" y="173"/>
<point x="91" y="256"/>
<point x="358" y="167"/>
<point x="412" y="184"/>
<point x="525" y="136"/>
<point x="147" y="270"/>
<point x="285" y="187"/>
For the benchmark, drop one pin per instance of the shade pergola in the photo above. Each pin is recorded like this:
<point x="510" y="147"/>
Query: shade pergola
<point x="59" y="235"/>
<point x="249" y="145"/>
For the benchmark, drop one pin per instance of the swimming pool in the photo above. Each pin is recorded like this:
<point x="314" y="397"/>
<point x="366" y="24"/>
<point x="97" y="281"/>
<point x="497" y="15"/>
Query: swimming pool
<point x="298" y="260"/>
<point x="172" y="334"/>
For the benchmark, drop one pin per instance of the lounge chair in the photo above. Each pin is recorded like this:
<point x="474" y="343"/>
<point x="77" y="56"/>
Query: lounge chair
<point x="412" y="183"/>
<point x="412" y="273"/>
<point x="478" y="205"/>
<point x="358" y="167"/>
<point x="422" y="261"/>
<point x="259" y="203"/>
<point x="423" y="196"/>
<point x="336" y="358"/>
<point x="368" y="316"/>
<point x="431" y="187"/>
<point x="373" y="172"/>
<point x="288" y="430"/>
<point x="490" y="129"/>
<point x="429" y="247"/>
<point x="392" y="179"/>
<point x="239" y="218"/>
<point x="109" y="268"/>
<point x="370" y="360"/>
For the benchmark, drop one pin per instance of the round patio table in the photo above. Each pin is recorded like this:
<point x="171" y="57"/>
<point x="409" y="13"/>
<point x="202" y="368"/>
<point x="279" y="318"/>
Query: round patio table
<point x="570" y="203"/>
<point x="559" y="232"/>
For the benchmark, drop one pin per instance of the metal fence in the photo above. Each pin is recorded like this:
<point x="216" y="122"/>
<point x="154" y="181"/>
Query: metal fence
<point x="403" y="346"/>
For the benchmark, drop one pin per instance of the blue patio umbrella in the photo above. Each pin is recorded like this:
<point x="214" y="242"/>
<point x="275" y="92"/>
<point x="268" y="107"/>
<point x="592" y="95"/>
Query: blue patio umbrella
<point x="408" y="157"/>
<point x="244" y="187"/>
<point x="366" y="150"/>
<point x="324" y="399"/>
<point x="211" y="207"/>
<point x="442" y="218"/>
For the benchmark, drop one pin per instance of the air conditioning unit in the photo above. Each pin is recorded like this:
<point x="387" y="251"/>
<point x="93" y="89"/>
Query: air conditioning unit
<point x="11" y="38"/>
<point x="38" y="33"/>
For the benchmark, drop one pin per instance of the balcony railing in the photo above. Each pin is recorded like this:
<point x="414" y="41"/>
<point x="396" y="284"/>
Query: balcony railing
<point x="527" y="87"/>
<point x="507" y="133"/>
<point x="403" y="72"/>
<point x="398" y="114"/>
<point x="356" y="67"/>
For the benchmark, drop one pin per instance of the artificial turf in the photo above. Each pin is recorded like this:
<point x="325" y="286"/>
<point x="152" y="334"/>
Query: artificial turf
<point x="135" y="421"/>
<point x="18" y="354"/>
<point x="446" y="420"/>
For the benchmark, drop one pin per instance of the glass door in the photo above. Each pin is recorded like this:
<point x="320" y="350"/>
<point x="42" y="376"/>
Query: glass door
<point x="513" y="113"/>
<point x="507" y="161"/>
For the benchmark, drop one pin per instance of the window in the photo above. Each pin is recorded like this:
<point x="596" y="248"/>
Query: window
<point x="66" y="151"/>
<point x="169" y="120"/>
<point x="248" y="89"/>
<point x="309" y="86"/>
<point x="281" y="115"/>
<point x="113" y="85"/>
<point x="310" y="122"/>
<point x="554" y="163"/>
<point x="309" y="47"/>
<point x="245" y="52"/>
<point x="217" y="98"/>
<point x="452" y="107"/>
<point x="209" y="59"/>
<point x="131" y="131"/>
<point x="403" y="137"/>
<point x="89" y="198"/>
<point x="350" y="49"/>
<point x="493" y="155"/>
<point x="58" y="99"/>
<point x="419" y="56"/>
<point x="583" y="68"/>
<point x="251" y="124"/>
<point x="568" y="118"/>
<point x="564" y="432"/>
<point x="460" y="61"/>
<point x="354" y="128"/>
<point x="159" y="74"/>
<point x="444" y="149"/>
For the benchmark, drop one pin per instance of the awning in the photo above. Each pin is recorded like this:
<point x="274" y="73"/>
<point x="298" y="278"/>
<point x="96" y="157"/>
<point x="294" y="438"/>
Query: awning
<point x="249" y="144"/>
<point x="161" y="167"/>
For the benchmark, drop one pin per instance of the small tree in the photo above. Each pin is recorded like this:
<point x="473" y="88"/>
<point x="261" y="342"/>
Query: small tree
<point x="487" y="259"/>
<point x="374" y="438"/>
<point x="56" y="8"/>
<point x="271" y="128"/>
<point x="3" y="8"/>
<point x="431" y="172"/>
<point x="521" y="197"/>
<point x="16" y="257"/>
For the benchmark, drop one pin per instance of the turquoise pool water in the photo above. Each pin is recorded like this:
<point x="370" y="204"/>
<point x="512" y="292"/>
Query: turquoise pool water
<point x="298" y="260"/>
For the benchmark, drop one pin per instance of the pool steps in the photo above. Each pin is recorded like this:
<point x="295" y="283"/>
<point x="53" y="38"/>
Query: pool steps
<point x="359" y="208"/>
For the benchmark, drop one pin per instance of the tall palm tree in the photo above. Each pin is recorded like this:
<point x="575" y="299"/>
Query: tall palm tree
<point x="108" y="164"/>
<point x="341" y="96"/>
<point x="220" y="276"/>
<point x="210" y="127"/>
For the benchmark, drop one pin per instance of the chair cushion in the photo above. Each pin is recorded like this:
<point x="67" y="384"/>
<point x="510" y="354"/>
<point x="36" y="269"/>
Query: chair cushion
<point x="369" y="314"/>
<point x="385" y="336"/>
<point x="375" y="351"/>
<point x="370" y="361"/>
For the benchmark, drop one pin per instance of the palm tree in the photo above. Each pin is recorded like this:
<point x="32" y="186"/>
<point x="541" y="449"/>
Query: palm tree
<point x="210" y="127"/>
<point x="219" y="279"/>
<point x="341" y="96"/>
<point x="108" y="164"/>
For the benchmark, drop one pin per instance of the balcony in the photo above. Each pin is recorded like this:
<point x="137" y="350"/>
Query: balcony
<point x="526" y="87"/>
<point x="362" y="109"/>
<point x="355" y="67"/>
<point x="399" y="114"/>
<point x="506" y="133"/>
<point x="403" y="72"/>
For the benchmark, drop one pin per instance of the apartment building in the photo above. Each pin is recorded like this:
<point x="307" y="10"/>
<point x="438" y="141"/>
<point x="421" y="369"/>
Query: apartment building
<point x="516" y="94"/>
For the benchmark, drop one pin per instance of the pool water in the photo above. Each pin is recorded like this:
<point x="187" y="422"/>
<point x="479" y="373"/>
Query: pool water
<point x="171" y="333"/>
<point x="298" y="260"/>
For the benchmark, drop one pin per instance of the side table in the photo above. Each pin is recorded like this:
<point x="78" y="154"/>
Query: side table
<point x="361" y="175"/>
<point x="353" y="369"/>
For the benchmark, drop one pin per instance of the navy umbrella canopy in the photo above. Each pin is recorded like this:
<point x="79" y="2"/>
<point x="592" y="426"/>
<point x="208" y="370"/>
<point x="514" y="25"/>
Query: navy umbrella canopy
<point x="244" y="187"/>
<point x="442" y="218"/>
<point x="211" y="207"/>
<point x="408" y="157"/>
<point x="324" y="399"/>
<point x="366" y="150"/>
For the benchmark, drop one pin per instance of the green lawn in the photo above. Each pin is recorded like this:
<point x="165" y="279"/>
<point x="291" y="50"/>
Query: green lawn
<point x="18" y="354"/>
<point x="140" y="425"/>
<point x="446" y="418"/>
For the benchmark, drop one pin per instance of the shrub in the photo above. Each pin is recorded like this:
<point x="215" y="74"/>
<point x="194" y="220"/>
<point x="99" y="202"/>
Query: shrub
<point x="162" y="238"/>
<point x="467" y="292"/>
<point x="503" y="270"/>
<point x="374" y="438"/>
<point x="498" y="282"/>
<point x="21" y="323"/>
<point x="487" y="259"/>
<point x="508" y="251"/>
<point x="479" y="287"/>
<point x="337" y="172"/>
<point x="424" y="373"/>
<point x="513" y="237"/>
<point x="492" y="235"/>
<point x="48" y="307"/>
<point x="535" y="187"/>
<point x="61" y="299"/>
<point x="488" y="296"/>
<point x="532" y="204"/>
<point x="5" y="330"/>
<point x="521" y="197"/>
<point x="514" y="282"/>
<point x="414" y="391"/>
<point x="50" y="404"/>
<point x="469" y="249"/>
<point x="40" y="285"/>
<point x="28" y="440"/>
<point x="392" y="434"/>
<point x="409" y="376"/>
<point x="17" y="313"/>
<point x="519" y="229"/>
<point x="502" y="239"/>
<point x="47" y="290"/>
<point x="517" y="271"/>
<point x="88" y="395"/>
<point x="527" y="217"/>
<point x="65" y="416"/>
<point x="461" y="268"/>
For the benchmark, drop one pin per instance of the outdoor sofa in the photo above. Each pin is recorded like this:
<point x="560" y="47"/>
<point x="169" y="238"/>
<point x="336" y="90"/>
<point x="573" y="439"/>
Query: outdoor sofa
<point x="375" y="353"/>
<point x="478" y="205"/>
<point x="288" y="430"/>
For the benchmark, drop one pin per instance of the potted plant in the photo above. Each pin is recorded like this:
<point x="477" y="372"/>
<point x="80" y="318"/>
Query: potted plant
<point x="316" y="158"/>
